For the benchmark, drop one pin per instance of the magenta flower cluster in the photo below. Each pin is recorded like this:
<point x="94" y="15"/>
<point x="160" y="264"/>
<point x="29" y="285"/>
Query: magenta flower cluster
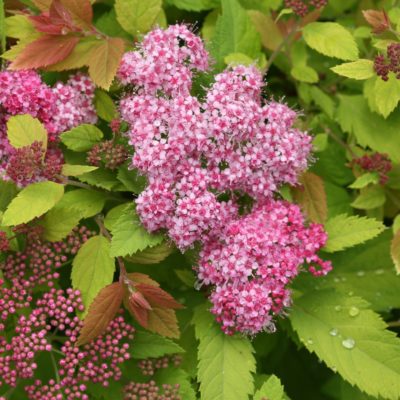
<point x="52" y="325"/>
<point x="202" y="158"/>
<point x="59" y="108"/>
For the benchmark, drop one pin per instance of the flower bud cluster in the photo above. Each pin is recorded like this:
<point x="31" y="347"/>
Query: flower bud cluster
<point x="376" y="162"/>
<point x="303" y="7"/>
<point x="149" y="366"/>
<point x="107" y="153"/>
<point x="384" y="65"/>
<point x="150" y="391"/>
<point x="202" y="158"/>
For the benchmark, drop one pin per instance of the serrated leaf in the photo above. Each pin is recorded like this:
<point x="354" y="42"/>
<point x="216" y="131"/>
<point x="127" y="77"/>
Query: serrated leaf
<point x="395" y="251"/>
<point x="149" y="345"/>
<point x="59" y="222"/>
<point x="271" y="389"/>
<point x="105" y="106"/>
<point x="364" y="180"/>
<point x="164" y="322"/>
<point x="234" y="33"/>
<point x="347" y="231"/>
<point x="238" y="59"/>
<point x="131" y="179"/>
<point x="101" y="312"/>
<point x="226" y="363"/>
<point x="80" y="11"/>
<point x="152" y="255"/>
<point x="47" y="50"/>
<point x="304" y="73"/>
<point x="104" y="61"/>
<point x="113" y="215"/>
<point x="42" y="5"/>
<point x="129" y="236"/>
<point x="311" y="197"/>
<point x="32" y="202"/>
<point x="370" y="198"/>
<point x="102" y="178"/>
<point x="157" y="297"/>
<point x="195" y="5"/>
<point x="19" y="27"/>
<point x="355" y="117"/>
<point x="23" y="130"/>
<point x="331" y="39"/>
<point x="82" y="138"/>
<point x="387" y="95"/>
<point x="92" y="269"/>
<point x="360" y="69"/>
<point x="137" y="16"/>
<point x="351" y="339"/>
<point x="76" y="170"/>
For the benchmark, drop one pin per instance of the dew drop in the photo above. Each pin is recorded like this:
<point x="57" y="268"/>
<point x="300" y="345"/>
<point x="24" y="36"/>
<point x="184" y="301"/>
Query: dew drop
<point x="333" y="332"/>
<point x="354" y="311"/>
<point x="379" y="271"/>
<point x="336" y="280"/>
<point x="360" y="273"/>
<point x="349" y="343"/>
<point x="338" y="308"/>
<point x="310" y="341"/>
<point x="334" y="369"/>
<point x="350" y="293"/>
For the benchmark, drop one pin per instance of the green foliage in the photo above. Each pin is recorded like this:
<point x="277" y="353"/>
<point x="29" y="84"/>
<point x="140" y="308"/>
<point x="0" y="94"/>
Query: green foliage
<point x="32" y="202"/>
<point x="137" y="16"/>
<point x="82" y="138"/>
<point x="324" y="37"/>
<point x="234" y="33"/>
<point x="271" y="389"/>
<point x="92" y="268"/>
<point x="23" y="130"/>
<point x="347" y="231"/>
<point x="350" y="339"/>
<point x="360" y="69"/>
<point x="226" y="363"/>
<point x="129" y="236"/>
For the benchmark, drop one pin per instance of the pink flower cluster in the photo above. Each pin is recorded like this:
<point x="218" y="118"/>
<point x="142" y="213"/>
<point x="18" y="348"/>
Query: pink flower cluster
<point x="26" y="271"/>
<point x="59" y="108"/>
<point x="207" y="162"/>
<point x="54" y="312"/>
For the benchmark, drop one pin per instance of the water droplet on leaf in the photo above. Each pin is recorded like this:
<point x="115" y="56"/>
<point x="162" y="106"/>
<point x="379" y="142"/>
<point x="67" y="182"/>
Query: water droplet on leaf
<point x="310" y="341"/>
<point x="349" y="343"/>
<point x="338" y="308"/>
<point x="360" y="273"/>
<point x="354" y="311"/>
<point x="333" y="332"/>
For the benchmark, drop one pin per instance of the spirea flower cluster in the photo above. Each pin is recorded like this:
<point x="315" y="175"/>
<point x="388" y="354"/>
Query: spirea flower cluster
<point x="59" y="108"/>
<point x="303" y="7"/>
<point x="52" y="326"/>
<point x="384" y="65"/>
<point x="208" y="163"/>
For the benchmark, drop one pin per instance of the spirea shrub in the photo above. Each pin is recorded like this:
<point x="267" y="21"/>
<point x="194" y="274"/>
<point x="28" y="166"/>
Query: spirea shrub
<point x="193" y="203"/>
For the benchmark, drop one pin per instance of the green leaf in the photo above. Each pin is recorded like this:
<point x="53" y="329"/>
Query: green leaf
<point x="271" y="36"/>
<point x="102" y="178"/>
<point x="129" y="236"/>
<point x="8" y="191"/>
<point x="370" y="198"/>
<point x="76" y="170"/>
<point x="344" y="231"/>
<point x="323" y="101"/>
<point x="364" y="180"/>
<point x="131" y="179"/>
<point x="238" y="59"/>
<point x="150" y="345"/>
<point x="234" y="33"/>
<point x="360" y="69"/>
<point x="137" y="16"/>
<point x="387" y="95"/>
<point x="226" y="363"/>
<point x="338" y="200"/>
<point x="152" y="255"/>
<point x="33" y="201"/>
<point x="271" y="389"/>
<point x="105" y="106"/>
<point x="92" y="269"/>
<point x="350" y="339"/>
<point x="395" y="251"/>
<point x="304" y="73"/>
<point x="331" y="39"/>
<point x="23" y="130"/>
<point x="355" y="117"/>
<point x="113" y="215"/>
<point x="194" y="5"/>
<point x="18" y="27"/>
<point x="82" y="138"/>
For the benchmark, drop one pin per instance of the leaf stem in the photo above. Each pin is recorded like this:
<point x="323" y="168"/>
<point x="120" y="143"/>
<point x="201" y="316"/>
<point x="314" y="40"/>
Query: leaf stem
<point x="284" y="43"/>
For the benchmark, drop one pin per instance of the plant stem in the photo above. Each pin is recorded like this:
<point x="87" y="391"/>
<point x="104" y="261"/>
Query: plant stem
<point x="284" y="43"/>
<point x="393" y="324"/>
<point x="339" y="141"/>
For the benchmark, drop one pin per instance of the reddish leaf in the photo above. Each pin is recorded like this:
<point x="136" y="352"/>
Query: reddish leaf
<point x="311" y="197"/>
<point x="138" y="300"/>
<point x="101" y="312"/>
<point x="43" y="23"/>
<point x="157" y="297"/>
<point x="105" y="59"/>
<point x="42" y="5"/>
<point x="45" y="51"/>
<point x="163" y="321"/>
<point x="379" y="20"/>
<point x="137" y="277"/>
<point x="80" y="10"/>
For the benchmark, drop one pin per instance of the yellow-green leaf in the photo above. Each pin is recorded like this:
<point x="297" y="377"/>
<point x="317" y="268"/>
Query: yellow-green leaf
<point x="360" y="69"/>
<point x="23" y="130"/>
